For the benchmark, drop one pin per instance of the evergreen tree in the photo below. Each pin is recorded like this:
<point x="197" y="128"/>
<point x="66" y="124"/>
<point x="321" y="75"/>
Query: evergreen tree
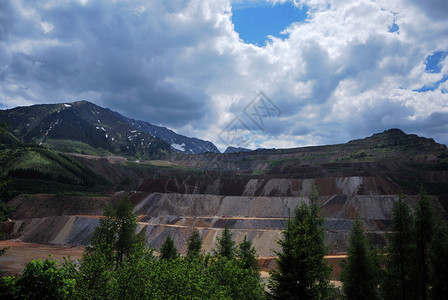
<point x="238" y="282"/>
<point x="248" y="256"/>
<point x="115" y="235"/>
<point x="6" y="211"/>
<point x="439" y="259"/>
<point x="194" y="244"/>
<point x="424" y="230"/>
<point x="302" y="272"/>
<point x="400" y="253"/>
<point x="360" y="275"/>
<point x="226" y="246"/>
<point x="168" y="250"/>
<point x="126" y="226"/>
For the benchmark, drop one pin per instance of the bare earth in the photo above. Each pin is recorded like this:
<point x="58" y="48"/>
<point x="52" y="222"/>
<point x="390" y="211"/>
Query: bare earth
<point x="20" y="254"/>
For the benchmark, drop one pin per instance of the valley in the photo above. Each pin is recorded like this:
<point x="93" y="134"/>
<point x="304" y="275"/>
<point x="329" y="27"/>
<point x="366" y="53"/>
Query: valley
<point x="253" y="193"/>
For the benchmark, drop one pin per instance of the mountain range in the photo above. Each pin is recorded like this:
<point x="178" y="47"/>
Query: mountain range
<point x="83" y="127"/>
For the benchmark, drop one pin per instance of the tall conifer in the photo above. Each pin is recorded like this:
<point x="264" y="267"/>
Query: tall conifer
<point x="301" y="270"/>
<point x="360" y="274"/>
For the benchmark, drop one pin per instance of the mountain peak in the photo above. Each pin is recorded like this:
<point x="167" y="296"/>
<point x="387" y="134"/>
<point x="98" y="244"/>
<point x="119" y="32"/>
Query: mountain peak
<point x="398" y="138"/>
<point x="126" y="136"/>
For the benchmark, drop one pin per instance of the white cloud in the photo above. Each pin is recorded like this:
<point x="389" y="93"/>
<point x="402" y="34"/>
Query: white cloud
<point x="340" y="75"/>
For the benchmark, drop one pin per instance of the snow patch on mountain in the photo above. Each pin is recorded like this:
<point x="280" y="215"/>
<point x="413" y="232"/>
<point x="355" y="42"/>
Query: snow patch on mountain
<point x="179" y="147"/>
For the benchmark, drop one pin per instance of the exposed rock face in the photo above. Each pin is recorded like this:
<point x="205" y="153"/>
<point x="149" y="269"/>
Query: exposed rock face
<point x="253" y="193"/>
<point x="98" y="127"/>
<point x="261" y="218"/>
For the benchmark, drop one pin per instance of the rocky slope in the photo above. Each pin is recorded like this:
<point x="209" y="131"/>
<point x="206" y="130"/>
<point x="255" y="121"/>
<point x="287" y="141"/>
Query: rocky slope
<point x="252" y="192"/>
<point x="84" y="127"/>
<point x="180" y="143"/>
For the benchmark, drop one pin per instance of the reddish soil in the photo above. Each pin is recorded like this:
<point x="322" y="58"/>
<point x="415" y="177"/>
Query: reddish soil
<point x="267" y="263"/>
<point x="20" y="254"/>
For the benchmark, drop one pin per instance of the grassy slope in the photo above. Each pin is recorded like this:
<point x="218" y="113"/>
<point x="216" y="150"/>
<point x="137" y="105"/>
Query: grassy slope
<point x="74" y="146"/>
<point x="38" y="170"/>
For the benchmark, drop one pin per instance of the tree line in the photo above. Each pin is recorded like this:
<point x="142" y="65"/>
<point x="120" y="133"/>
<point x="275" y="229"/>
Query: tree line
<point x="414" y="265"/>
<point x="118" y="265"/>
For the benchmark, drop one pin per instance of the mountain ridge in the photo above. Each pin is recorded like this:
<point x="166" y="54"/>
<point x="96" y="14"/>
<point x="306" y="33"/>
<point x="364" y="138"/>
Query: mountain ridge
<point x="53" y="126"/>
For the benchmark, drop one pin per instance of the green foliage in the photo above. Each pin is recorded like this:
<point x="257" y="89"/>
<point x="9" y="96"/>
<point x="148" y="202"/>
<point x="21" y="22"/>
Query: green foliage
<point x="225" y="246"/>
<point x="95" y="273"/>
<point x="45" y="280"/>
<point x="6" y="211"/>
<point x="247" y="256"/>
<point x="115" y="236"/>
<point x="361" y="274"/>
<point x="126" y="222"/>
<point x="302" y="272"/>
<point x="416" y="264"/>
<point x="439" y="259"/>
<point x="194" y="244"/>
<point x="416" y="260"/>
<point x="399" y="258"/>
<point x="258" y="172"/>
<point x="72" y="146"/>
<point x="442" y="163"/>
<point x="424" y="232"/>
<point x="276" y="163"/>
<point x="168" y="250"/>
<point x="356" y="156"/>
<point x="8" y="287"/>
<point x="38" y="170"/>
<point x="238" y="282"/>
<point x="140" y="275"/>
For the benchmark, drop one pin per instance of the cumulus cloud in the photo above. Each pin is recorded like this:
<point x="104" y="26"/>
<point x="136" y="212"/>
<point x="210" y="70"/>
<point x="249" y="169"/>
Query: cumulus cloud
<point x="339" y="75"/>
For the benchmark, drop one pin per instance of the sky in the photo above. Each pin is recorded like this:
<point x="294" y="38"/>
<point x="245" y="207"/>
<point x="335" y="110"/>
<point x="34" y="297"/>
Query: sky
<point x="277" y="73"/>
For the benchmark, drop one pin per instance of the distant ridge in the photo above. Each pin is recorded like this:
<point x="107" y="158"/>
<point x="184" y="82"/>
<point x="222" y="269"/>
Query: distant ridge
<point x="83" y="127"/>
<point x="231" y="149"/>
<point x="180" y="143"/>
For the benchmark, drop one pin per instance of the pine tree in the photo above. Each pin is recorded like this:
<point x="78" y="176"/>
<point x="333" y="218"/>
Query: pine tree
<point x="126" y="226"/>
<point x="194" y="245"/>
<point x="400" y="253"/>
<point x="360" y="275"/>
<point x="115" y="235"/>
<point x="248" y="255"/>
<point x="168" y="250"/>
<point x="301" y="271"/>
<point x="424" y="230"/>
<point x="439" y="259"/>
<point x="225" y="246"/>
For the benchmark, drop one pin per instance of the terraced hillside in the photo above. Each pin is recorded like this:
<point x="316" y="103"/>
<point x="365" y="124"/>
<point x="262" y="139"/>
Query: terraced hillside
<point x="252" y="192"/>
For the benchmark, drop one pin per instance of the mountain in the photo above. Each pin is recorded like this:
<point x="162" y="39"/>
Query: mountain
<point x="252" y="192"/>
<point x="178" y="142"/>
<point x="86" y="128"/>
<point x="231" y="149"/>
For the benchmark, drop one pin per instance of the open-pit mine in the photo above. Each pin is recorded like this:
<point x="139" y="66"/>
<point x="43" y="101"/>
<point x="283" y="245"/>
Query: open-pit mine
<point x="253" y="193"/>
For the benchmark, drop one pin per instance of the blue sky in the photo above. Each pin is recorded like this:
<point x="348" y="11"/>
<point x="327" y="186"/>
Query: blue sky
<point x="433" y="64"/>
<point x="254" y="23"/>
<point x="342" y="70"/>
